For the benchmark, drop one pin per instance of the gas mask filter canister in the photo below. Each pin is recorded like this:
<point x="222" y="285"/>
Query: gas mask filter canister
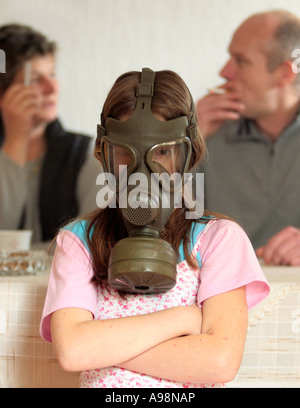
<point x="157" y="154"/>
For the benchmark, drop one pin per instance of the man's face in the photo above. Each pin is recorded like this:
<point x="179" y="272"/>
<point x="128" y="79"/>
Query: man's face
<point x="246" y="71"/>
<point x="42" y="77"/>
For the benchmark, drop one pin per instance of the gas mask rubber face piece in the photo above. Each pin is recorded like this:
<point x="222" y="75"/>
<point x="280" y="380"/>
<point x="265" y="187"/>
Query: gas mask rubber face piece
<point x="146" y="159"/>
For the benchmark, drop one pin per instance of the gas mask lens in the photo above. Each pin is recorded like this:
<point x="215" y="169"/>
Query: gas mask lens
<point x="170" y="158"/>
<point x="116" y="155"/>
<point x="164" y="159"/>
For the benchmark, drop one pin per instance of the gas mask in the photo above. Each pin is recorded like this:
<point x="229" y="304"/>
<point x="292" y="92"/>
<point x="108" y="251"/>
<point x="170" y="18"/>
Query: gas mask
<point x="146" y="158"/>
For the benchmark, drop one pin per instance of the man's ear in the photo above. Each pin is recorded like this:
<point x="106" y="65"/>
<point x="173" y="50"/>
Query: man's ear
<point x="288" y="72"/>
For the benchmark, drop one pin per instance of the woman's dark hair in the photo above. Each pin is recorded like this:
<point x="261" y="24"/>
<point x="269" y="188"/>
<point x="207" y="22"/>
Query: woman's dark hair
<point x="20" y="44"/>
<point x="171" y="99"/>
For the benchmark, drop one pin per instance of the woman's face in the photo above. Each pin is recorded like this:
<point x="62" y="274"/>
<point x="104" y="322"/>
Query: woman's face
<point x="42" y="78"/>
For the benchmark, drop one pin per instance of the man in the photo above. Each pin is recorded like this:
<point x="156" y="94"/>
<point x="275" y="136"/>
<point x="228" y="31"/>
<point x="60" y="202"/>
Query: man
<point x="47" y="175"/>
<point x="252" y="171"/>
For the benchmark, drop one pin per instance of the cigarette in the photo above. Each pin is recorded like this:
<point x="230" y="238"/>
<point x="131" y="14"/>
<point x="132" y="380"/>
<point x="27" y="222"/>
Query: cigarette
<point x="217" y="91"/>
<point x="27" y="73"/>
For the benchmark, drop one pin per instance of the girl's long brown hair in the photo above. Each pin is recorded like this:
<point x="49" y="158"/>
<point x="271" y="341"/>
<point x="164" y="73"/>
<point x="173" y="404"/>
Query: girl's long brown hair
<point x="171" y="99"/>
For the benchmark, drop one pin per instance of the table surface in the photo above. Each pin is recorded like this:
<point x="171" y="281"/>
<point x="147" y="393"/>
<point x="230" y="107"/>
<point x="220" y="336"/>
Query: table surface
<point x="272" y="351"/>
<point x="282" y="273"/>
<point x="26" y="360"/>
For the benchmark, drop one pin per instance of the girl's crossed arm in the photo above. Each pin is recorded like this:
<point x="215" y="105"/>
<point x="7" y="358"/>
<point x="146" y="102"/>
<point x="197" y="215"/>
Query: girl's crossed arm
<point x="82" y="343"/>
<point x="166" y="344"/>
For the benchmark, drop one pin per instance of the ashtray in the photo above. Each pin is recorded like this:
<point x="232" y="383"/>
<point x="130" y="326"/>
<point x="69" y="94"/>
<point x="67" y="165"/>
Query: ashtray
<point x="21" y="263"/>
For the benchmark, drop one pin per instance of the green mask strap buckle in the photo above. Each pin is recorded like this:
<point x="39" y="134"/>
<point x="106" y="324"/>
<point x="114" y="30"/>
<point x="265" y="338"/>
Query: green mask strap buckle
<point x="146" y="85"/>
<point x="144" y="92"/>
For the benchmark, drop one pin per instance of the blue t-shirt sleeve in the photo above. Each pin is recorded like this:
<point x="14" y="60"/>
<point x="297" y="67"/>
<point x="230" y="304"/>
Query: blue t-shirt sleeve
<point x="196" y="229"/>
<point x="79" y="228"/>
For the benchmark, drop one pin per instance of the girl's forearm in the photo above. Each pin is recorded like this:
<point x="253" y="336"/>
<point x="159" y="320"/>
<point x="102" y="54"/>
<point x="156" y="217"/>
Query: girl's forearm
<point x="213" y="356"/>
<point x="82" y="344"/>
<point x="203" y="358"/>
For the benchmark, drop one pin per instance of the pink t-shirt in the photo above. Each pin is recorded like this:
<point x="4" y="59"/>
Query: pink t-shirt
<point x="228" y="261"/>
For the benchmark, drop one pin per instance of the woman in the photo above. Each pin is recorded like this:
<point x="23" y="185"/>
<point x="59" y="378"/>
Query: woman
<point x="191" y="335"/>
<point x="43" y="168"/>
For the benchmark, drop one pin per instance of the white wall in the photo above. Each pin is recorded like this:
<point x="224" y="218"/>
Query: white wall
<point x="101" y="39"/>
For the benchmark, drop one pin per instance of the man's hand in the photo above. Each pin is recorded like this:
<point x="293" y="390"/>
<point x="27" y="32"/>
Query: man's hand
<point x="282" y="249"/>
<point x="214" y="108"/>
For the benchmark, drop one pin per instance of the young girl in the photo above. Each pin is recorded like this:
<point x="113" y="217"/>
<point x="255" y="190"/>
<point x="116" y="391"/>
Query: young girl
<point x="191" y="335"/>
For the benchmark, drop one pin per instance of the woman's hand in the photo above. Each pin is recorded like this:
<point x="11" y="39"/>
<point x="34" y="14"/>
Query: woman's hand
<point x="18" y="107"/>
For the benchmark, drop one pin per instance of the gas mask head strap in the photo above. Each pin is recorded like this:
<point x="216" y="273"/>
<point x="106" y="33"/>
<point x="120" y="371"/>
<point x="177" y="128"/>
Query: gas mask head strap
<point x="146" y="86"/>
<point x="144" y="94"/>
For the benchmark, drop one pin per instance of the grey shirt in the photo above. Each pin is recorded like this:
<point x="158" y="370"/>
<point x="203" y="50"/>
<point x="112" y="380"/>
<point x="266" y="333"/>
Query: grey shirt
<point x="19" y="190"/>
<point x="253" y="180"/>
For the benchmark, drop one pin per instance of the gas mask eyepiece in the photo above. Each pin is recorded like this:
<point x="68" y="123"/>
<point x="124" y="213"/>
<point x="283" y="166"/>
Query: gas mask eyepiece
<point x="147" y="159"/>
